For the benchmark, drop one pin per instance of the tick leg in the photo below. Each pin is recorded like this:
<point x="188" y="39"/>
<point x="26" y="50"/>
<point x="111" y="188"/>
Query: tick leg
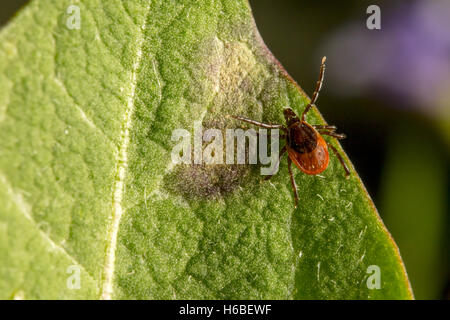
<point x="324" y="127"/>
<point x="333" y="134"/>
<point x="283" y="151"/>
<point x="260" y="124"/>
<point x="316" y="91"/>
<point x="282" y="136"/>
<point x="341" y="160"/>
<point x="294" y="185"/>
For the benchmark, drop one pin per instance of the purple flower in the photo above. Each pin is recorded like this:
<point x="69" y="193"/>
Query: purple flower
<point x="408" y="60"/>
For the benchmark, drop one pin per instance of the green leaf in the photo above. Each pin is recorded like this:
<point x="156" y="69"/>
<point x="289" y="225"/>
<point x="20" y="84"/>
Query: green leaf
<point x="87" y="182"/>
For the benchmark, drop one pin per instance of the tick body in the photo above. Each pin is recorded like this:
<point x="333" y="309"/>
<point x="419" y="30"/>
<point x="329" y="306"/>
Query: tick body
<point x="305" y="146"/>
<point x="312" y="159"/>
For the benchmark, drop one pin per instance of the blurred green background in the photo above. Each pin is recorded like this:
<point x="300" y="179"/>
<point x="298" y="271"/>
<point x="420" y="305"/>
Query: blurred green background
<point x="389" y="91"/>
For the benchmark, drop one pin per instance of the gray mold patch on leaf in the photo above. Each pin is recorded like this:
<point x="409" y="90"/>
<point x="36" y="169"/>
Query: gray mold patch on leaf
<point x="234" y="76"/>
<point x="201" y="181"/>
<point x="234" y="80"/>
<point x="208" y="181"/>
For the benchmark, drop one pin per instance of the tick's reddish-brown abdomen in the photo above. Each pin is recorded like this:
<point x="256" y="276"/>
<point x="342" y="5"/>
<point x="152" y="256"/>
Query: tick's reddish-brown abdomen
<point x="313" y="162"/>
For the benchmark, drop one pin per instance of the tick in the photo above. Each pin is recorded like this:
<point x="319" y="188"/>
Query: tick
<point x="305" y="146"/>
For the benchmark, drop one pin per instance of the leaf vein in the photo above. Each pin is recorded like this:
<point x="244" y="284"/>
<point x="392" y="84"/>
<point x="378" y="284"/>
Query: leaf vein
<point x="121" y="168"/>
